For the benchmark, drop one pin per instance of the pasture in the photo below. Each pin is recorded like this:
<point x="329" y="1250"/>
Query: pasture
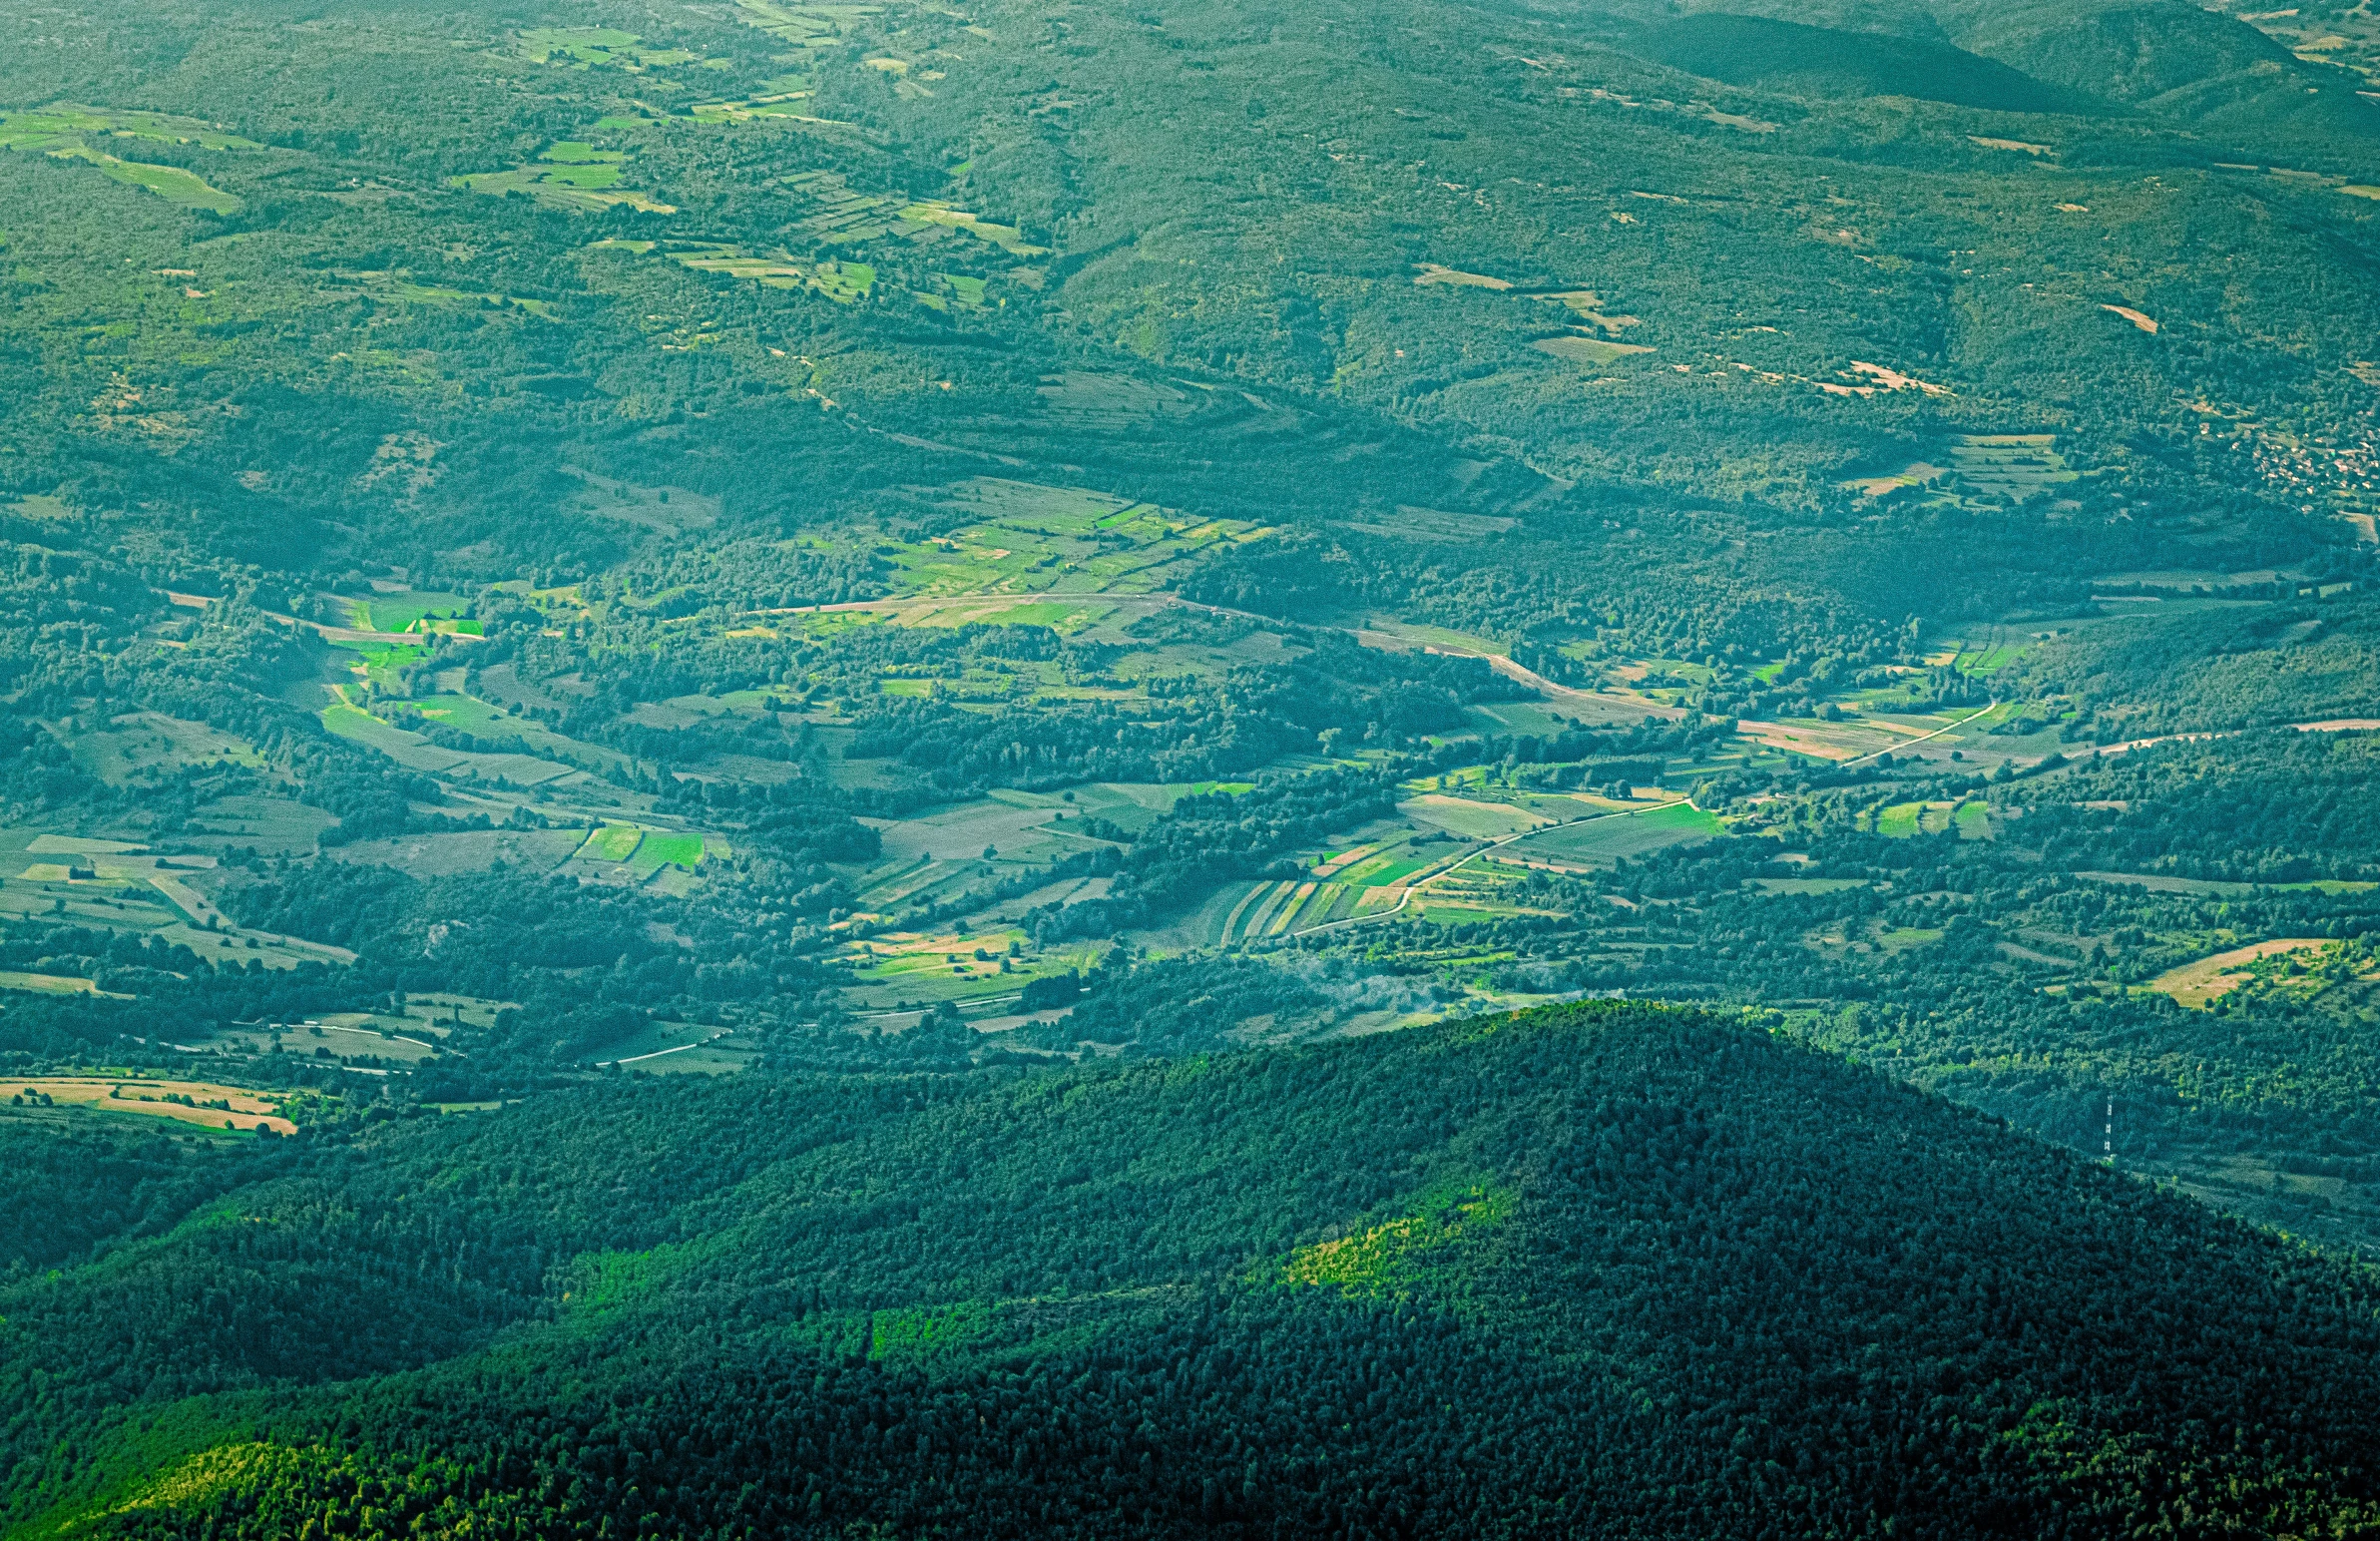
<point x="143" y="745"/>
<point x="269" y="825"/>
<point x="416" y="753"/>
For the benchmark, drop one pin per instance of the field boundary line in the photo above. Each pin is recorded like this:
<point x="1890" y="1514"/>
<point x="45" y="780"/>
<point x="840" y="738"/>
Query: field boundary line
<point x="702" y="1043"/>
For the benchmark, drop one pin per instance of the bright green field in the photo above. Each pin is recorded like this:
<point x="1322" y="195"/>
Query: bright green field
<point x="657" y="851"/>
<point x="395" y="612"/>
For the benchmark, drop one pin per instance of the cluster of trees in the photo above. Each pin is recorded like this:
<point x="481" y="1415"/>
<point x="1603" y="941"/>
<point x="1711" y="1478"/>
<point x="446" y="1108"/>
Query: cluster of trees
<point x="2270" y="806"/>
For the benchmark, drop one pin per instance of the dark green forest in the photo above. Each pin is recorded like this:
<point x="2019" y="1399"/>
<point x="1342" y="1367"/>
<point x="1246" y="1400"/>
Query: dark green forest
<point x="1618" y="1270"/>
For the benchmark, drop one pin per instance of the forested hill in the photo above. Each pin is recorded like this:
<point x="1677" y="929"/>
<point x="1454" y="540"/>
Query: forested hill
<point x="1599" y="1270"/>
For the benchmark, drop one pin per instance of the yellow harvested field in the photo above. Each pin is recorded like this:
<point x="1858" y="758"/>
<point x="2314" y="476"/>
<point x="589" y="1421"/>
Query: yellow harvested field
<point x="1431" y="273"/>
<point x="53" y="985"/>
<point x="2196" y="985"/>
<point x="237" y="1107"/>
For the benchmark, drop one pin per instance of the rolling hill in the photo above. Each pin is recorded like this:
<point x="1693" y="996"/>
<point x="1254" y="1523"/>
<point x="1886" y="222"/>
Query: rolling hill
<point x="1600" y="1270"/>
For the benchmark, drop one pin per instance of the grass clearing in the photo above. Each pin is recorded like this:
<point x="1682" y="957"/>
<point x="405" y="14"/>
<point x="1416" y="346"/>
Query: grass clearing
<point x="656" y="851"/>
<point x="139" y="747"/>
<point x="64" y="130"/>
<point x="1588" y="350"/>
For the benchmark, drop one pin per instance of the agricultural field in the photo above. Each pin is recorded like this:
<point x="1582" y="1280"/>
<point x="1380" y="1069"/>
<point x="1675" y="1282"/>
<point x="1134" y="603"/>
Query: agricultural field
<point x="416" y="753"/>
<point x="1618" y="836"/>
<point x="570" y="175"/>
<point x="2209" y="979"/>
<point x="1028" y="538"/>
<point x="198" y="1104"/>
<point x="1904" y="820"/>
<point x="242" y="822"/>
<point x="2010" y="466"/>
<point x="1472" y="819"/>
<point x="970" y="966"/>
<point x="114" y="886"/>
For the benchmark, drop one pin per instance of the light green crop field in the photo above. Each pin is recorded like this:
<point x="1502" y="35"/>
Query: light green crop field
<point x="1621" y="836"/>
<point x="184" y="188"/>
<point x="1900" y="820"/>
<point x="612" y="843"/>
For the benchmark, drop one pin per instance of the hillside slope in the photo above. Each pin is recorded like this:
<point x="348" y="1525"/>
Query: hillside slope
<point x="1611" y="1270"/>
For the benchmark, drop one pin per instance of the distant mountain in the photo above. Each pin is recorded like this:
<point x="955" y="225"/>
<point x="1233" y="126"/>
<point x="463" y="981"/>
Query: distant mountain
<point x="1824" y="61"/>
<point x="1610" y="1270"/>
<point x="2168" y="59"/>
